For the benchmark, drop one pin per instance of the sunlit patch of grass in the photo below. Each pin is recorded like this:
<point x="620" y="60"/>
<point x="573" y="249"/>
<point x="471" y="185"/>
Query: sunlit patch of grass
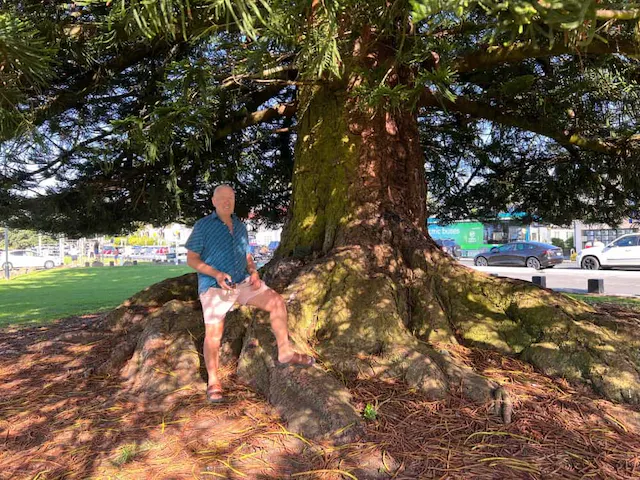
<point x="51" y="294"/>
<point x="627" y="302"/>
<point x="370" y="412"/>
<point x="128" y="452"/>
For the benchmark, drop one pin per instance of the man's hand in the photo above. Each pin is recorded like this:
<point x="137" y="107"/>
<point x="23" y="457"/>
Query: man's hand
<point x="254" y="281"/>
<point x="224" y="280"/>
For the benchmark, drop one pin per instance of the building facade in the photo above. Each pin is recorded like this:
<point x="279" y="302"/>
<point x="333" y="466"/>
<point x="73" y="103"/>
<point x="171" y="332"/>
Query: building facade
<point x="586" y="234"/>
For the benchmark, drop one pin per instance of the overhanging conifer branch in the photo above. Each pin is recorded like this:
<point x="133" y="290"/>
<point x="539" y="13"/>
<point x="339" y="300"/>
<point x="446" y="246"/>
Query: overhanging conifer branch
<point x="568" y="139"/>
<point x="255" y="118"/>
<point x="494" y="56"/>
<point x="75" y="92"/>
<point x="613" y="14"/>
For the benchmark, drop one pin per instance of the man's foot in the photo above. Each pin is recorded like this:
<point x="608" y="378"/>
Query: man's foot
<point x="298" y="360"/>
<point x="214" y="393"/>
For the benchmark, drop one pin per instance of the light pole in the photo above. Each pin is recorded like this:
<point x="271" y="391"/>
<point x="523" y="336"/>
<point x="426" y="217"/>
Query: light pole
<point x="7" y="274"/>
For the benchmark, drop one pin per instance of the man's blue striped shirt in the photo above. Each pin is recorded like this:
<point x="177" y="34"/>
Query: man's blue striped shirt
<point x="218" y="248"/>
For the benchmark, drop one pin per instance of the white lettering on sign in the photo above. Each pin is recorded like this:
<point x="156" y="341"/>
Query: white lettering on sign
<point x="446" y="231"/>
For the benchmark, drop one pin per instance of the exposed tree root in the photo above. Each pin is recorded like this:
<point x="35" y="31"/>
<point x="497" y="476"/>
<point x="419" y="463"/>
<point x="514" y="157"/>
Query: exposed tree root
<point x="359" y="319"/>
<point x="312" y="401"/>
<point x="560" y="336"/>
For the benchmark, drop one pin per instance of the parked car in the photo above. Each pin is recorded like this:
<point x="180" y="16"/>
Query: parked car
<point x="624" y="251"/>
<point x="521" y="254"/>
<point x="153" y="252"/>
<point x="448" y="245"/>
<point x="30" y="258"/>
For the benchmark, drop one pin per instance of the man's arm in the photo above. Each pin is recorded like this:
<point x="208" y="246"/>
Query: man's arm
<point x="195" y="262"/>
<point x="253" y="272"/>
<point x="251" y="265"/>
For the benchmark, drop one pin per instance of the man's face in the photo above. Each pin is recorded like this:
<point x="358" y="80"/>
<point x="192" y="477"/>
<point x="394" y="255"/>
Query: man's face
<point x="224" y="199"/>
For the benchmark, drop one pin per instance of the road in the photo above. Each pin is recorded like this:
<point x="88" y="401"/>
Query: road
<point x="567" y="277"/>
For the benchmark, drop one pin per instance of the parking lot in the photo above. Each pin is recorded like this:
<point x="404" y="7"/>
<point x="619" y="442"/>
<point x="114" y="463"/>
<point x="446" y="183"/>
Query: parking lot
<point x="568" y="277"/>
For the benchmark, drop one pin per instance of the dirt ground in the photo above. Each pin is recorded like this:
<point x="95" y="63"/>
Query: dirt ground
<point x="58" y="420"/>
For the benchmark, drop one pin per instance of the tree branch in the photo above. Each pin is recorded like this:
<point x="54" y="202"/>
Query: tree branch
<point x="261" y="116"/>
<point x="488" y="112"/>
<point x="63" y="157"/>
<point x="612" y="14"/>
<point x="74" y="94"/>
<point x="518" y="52"/>
<point x="279" y="73"/>
<point x="257" y="98"/>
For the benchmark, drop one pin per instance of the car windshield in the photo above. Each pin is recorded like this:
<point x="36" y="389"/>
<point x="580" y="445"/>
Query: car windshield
<point x="630" y="241"/>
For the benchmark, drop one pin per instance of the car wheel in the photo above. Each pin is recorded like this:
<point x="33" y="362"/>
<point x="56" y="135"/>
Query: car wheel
<point x="481" y="262"/>
<point x="4" y="265"/>
<point x="48" y="264"/>
<point x="590" y="263"/>
<point x="533" y="262"/>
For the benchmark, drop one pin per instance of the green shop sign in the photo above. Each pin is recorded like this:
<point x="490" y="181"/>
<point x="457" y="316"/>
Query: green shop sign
<point x="469" y="235"/>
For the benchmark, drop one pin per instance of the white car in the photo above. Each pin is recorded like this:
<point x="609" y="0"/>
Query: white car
<point x="29" y="259"/>
<point x="622" y="252"/>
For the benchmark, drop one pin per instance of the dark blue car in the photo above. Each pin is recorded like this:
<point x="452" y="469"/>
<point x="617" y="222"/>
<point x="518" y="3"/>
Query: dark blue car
<point x="521" y="254"/>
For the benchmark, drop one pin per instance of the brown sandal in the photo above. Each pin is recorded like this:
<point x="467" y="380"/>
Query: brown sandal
<point x="298" y="360"/>
<point x="214" y="393"/>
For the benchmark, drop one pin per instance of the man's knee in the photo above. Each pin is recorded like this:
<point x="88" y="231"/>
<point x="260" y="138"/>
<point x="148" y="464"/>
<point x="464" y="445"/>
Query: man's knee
<point x="276" y="303"/>
<point x="213" y="341"/>
<point x="213" y="336"/>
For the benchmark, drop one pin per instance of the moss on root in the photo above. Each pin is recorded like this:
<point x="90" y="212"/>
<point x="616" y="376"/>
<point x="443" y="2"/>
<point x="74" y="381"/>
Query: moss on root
<point x="339" y="305"/>
<point x="358" y="320"/>
<point x="559" y="335"/>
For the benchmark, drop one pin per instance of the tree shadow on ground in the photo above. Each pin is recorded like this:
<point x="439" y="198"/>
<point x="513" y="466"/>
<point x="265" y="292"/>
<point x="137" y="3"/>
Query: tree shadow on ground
<point x="558" y="431"/>
<point x="58" y="420"/>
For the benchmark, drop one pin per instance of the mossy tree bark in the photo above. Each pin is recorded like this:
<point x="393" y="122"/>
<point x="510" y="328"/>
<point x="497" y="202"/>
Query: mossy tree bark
<point x="371" y="294"/>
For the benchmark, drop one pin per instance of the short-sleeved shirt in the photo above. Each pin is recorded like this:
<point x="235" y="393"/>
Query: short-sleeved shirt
<point x="218" y="248"/>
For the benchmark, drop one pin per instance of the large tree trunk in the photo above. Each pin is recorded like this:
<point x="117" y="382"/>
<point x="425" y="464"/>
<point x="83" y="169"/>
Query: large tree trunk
<point x="370" y="293"/>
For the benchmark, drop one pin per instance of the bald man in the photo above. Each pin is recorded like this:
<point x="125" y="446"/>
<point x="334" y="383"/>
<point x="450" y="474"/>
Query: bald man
<point x="218" y="249"/>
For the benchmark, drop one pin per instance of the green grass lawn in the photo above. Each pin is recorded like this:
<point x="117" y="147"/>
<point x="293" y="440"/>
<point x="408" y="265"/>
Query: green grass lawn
<point x="52" y="294"/>
<point x="627" y="302"/>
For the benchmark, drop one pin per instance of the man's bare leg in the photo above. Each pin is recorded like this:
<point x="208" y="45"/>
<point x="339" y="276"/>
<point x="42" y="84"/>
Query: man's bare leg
<point x="211" y="350"/>
<point x="273" y="303"/>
